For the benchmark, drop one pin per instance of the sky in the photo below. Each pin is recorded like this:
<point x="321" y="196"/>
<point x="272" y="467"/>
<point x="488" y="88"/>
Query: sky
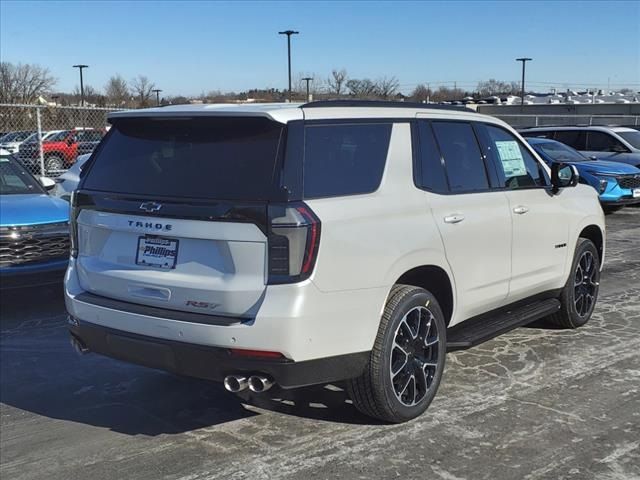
<point x="190" y="47"/>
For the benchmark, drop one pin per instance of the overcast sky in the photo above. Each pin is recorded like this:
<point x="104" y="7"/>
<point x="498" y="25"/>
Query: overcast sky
<point x="193" y="47"/>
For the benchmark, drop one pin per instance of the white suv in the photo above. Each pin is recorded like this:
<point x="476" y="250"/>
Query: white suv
<point x="331" y="241"/>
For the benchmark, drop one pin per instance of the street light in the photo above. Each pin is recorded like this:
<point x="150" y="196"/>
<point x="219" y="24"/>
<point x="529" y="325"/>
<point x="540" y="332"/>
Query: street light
<point x="307" y="79"/>
<point x="157" y="90"/>
<point x="80" y="67"/>
<point x="288" y="33"/>
<point x="524" y="62"/>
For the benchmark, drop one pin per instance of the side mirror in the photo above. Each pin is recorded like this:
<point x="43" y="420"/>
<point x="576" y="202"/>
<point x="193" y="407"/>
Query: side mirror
<point x="562" y="176"/>
<point x="47" y="183"/>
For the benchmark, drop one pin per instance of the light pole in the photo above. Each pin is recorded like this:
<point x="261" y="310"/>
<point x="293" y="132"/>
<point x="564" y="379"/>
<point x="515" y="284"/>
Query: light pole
<point x="80" y="67"/>
<point x="157" y="90"/>
<point x="307" y="79"/>
<point x="288" y="33"/>
<point x="524" y="62"/>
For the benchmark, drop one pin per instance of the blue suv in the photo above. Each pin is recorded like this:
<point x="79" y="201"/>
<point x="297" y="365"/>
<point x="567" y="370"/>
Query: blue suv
<point x="34" y="229"/>
<point x="618" y="184"/>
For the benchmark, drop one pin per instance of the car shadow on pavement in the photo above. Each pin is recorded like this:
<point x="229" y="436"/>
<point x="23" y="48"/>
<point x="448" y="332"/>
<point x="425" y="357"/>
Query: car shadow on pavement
<point x="41" y="373"/>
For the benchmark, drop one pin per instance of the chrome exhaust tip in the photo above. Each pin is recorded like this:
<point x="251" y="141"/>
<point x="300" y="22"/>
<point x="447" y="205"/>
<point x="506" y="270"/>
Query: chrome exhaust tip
<point x="78" y="346"/>
<point x="259" y="383"/>
<point x="235" y="383"/>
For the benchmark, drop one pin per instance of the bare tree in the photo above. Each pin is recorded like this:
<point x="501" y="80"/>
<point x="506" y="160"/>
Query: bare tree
<point x="386" y="87"/>
<point x="141" y="88"/>
<point x="117" y="91"/>
<point x="364" y="88"/>
<point x="421" y="93"/>
<point x="23" y="83"/>
<point x="497" y="87"/>
<point x="91" y="96"/>
<point x="337" y="82"/>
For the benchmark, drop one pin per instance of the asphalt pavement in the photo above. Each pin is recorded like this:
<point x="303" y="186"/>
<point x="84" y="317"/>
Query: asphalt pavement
<point x="536" y="403"/>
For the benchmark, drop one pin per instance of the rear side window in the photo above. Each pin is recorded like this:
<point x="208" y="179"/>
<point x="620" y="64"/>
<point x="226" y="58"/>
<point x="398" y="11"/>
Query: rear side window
<point x="430" y="174"/>
<point x="209" y="158"/>
<point x="462" y="158"/>
<point x="344" y="159"/>
<point x="602" y="142"/>
<point x="574" y="138"/>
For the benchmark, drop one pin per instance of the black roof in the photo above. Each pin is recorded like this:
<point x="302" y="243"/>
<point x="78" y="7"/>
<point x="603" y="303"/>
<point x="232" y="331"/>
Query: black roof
<point x="384" y="103"/>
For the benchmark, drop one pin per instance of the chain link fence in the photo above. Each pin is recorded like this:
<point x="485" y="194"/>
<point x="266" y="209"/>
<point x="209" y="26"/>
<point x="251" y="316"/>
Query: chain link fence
<point x="47" y="140"/>
<point x="525" y="121"/>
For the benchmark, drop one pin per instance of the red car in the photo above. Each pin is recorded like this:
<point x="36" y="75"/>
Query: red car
<point x="61" y="149"/>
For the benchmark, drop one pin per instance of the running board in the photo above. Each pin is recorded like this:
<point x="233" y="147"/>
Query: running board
<point x="475" y="331"/>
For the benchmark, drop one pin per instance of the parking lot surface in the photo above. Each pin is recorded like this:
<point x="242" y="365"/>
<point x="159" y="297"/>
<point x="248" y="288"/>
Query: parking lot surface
<point x="537" y="403"/>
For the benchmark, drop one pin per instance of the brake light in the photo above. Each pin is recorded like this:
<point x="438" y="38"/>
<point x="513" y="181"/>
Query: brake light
<point x="73" y="223"/>
<point x="294" y="239"/>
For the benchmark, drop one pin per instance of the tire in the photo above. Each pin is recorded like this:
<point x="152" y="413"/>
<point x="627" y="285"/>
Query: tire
<point x="411" y="318"/>
<point x="53" y="162"/>
<point x="579" y="299"/>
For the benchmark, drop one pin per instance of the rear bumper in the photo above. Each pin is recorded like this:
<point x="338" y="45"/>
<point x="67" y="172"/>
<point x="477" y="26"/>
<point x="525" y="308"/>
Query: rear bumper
<point x="298" y="320"/>
<point x="212" y="363"/>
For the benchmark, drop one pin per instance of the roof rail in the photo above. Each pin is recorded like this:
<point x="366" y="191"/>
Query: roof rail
<point x="383" y="103"/>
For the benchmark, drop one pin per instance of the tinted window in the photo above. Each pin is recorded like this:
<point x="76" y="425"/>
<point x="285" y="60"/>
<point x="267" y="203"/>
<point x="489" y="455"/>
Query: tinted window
<point x="214" y="158"/>
<point x="632" y="137"/>
<point x="602" y="142"/>
<point x="15" y="180"/>
<point x="430" y="174"/>
<point x="574" y="138"/>
<point x="517" y="168"/>
<point x="58" y="137"/>
<point x="88" y="136"/>
<point x="344" y="159"/>
<point x="463" y="161"/>
<point x="559" y="152"/>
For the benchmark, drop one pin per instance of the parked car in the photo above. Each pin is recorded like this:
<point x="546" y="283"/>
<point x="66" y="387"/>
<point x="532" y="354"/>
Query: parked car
<point x="34" y="229"/>
<point x="617" y="144"/>
<point x="618" y="184"/>
<point x="333" y="241"/>
<point x="60" y="149"/>
<point x="67" y="182"/>
<point x="11" y="141"/>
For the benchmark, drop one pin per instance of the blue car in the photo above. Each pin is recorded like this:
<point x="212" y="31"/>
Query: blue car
<point x="618" y="184"/>
<point x="34" y="229"/>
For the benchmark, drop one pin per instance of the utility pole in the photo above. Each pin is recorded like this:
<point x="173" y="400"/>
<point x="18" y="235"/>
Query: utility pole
<point x="157" y="90"/>
<point x="288" y="33"/>
<point x="307" y="79"/>
<point x="524" y="62"/>
<point x="80" y="67"/>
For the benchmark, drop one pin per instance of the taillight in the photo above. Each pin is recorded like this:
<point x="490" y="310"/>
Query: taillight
<point x="294" y="238"/>
<point x="73" y="223"/>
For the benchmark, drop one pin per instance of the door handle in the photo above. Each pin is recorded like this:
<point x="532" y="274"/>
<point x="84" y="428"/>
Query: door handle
<point x="520" y="209"/>
<point x="455" y="218"/>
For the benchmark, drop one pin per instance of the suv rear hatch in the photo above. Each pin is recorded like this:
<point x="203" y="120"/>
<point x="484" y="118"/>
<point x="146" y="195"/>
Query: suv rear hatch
<point x="174" y="213"/>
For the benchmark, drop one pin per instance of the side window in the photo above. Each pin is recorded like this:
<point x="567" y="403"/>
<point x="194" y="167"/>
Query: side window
<point x="574" y="138"/>
<point x="462" y="158"/>
<point x="344" y="159"/>
<point x="602" y="142"/>
<point x="430" y="174"/>
<point x="517" y="168"/>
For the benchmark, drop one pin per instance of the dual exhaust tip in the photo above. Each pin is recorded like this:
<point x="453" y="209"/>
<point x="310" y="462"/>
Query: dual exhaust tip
<point x="255" y="383"/>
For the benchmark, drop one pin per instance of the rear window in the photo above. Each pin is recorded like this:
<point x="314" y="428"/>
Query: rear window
<point x="344" y="159"/>
<point x="209" y="158"/>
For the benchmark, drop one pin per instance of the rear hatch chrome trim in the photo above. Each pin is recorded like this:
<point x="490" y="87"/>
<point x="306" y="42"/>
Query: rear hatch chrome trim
<point x="134" y="308"/>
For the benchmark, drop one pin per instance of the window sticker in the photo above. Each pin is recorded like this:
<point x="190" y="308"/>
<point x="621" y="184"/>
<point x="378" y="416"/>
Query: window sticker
<point x="511" y="158"/>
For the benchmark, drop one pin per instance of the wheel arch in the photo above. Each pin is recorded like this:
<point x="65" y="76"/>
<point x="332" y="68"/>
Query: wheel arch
<point x="596" y="235"/>
<point x="437" y="281"/>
